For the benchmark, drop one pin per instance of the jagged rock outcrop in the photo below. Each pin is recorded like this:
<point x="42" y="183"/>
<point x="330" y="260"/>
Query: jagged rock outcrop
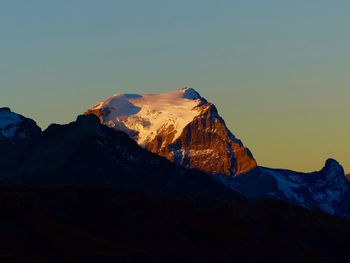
<point x="181" y="126"/>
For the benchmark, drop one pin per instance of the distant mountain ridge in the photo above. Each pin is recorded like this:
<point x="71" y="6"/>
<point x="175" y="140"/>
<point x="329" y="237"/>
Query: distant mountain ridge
<point x="87" y="153"/>
<point x="181" y="126"/>
<point x="327" y="190"/>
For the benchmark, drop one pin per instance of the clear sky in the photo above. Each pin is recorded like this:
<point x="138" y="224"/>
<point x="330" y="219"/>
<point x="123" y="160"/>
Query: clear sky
<point x="278" y="70"/>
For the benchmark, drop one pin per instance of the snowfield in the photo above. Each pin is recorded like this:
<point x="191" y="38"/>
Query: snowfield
<point x="148" y="114"/>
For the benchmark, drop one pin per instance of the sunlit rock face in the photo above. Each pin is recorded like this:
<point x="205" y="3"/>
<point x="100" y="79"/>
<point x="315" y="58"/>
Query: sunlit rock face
<point x="181" y="126"/>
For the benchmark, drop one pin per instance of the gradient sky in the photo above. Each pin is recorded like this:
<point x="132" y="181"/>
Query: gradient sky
<point x="278" y="70"/>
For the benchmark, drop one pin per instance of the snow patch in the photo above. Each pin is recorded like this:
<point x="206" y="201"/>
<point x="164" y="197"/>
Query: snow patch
<point x="286" y="186"/>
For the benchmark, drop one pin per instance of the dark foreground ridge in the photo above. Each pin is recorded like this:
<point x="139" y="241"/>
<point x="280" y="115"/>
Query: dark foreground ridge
<point x="83" y="192"/>
<point x="75" y="224"/>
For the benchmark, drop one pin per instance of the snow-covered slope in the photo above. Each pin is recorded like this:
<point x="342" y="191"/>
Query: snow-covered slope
<point x="146" y="114"/>
<point x="327" y="190"/>
<point x="16" y="127"/>
<point x="181" y="126"/>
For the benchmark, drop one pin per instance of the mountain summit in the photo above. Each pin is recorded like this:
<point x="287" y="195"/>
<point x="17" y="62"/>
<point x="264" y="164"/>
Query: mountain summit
<point x="14" y="127"/>
<point x="181" y="126"/>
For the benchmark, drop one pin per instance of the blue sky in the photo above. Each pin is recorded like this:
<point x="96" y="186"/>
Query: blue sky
<point x="277" y="70"/>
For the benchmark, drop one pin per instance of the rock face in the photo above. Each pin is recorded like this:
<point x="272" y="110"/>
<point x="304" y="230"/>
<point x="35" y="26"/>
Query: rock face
<point x="181" y="126"/>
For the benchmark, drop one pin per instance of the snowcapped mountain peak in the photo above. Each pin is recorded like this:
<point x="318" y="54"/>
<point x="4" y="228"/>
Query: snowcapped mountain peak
<point x="14" y="126"/>
<point x="8" y="122"/>
<point x="142" y="116"/>
<point x="181" y="126"/>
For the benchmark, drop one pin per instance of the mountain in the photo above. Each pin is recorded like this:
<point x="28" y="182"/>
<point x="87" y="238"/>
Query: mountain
<point x="186" y="129"/>
<point x="15" y="127"/>
<point x="327" y="190"/>
<point x="16" y="131"/>
<point x="181" y="126"/>
<point x="86" y="153"/>
<point x="83" y="192"/>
